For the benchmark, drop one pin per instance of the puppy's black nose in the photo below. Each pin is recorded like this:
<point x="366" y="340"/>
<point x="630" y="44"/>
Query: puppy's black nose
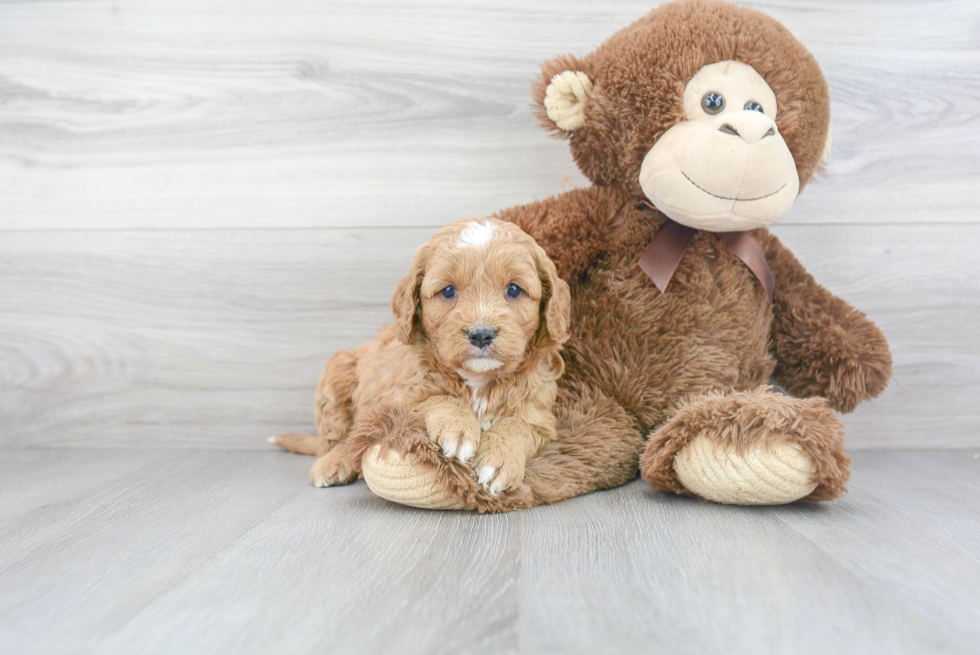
<point x="481" y="337"/>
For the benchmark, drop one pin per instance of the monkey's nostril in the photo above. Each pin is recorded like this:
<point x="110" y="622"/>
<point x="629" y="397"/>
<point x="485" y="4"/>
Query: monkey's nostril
<point x="481" y="337"/>
<point x="728" y="129"/>
<point x="770" y="132"/>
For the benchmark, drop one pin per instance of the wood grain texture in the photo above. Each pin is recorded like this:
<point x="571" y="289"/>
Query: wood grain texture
<point x="207" y="552"/>
<point x="201" y="201"/>
<point x="123" y="337"/>
<point x="216" y="338"/>
<point x="351" y="112"/>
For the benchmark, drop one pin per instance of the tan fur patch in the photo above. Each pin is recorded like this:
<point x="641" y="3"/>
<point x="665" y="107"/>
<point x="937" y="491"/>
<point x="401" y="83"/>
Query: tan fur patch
<point x="428" y="363"/>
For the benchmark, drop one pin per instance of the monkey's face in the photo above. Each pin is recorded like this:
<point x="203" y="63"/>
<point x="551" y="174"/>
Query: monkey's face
<point x="713" y="112"/>
<point x="725" y="167"/>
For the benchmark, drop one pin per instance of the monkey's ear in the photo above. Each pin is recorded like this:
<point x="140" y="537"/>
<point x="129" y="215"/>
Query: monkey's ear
<point x="825" y="155"/>
<point x="562" y="93"/>
<point x="406" y="304"/>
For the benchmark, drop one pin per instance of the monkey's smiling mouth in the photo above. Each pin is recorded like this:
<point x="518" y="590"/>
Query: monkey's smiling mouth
<point x="726" y="197"/>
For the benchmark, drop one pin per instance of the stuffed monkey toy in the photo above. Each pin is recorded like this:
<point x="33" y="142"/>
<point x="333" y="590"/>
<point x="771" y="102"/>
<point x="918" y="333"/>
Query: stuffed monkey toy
<point x="698" y="125"/>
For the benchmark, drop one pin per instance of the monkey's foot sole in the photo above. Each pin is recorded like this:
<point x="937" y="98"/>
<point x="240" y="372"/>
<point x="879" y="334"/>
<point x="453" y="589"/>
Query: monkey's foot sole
<point x="759" y="476"/>
<point x="749" y="448"/>
<point x="401" y="480"/>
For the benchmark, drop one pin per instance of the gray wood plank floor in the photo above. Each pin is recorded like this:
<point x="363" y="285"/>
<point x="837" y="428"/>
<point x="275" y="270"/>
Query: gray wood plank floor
<point x="150" y="551"/>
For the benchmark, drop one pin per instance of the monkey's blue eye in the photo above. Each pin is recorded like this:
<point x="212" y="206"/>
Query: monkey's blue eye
<point x="712" y="103"/>
<point x="514" y="291"/>
<point x="752" y="105"/>
<point x="448" y="293"/>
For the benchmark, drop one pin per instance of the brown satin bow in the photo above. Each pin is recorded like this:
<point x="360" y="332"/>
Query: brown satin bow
<point x="665" y="251"/>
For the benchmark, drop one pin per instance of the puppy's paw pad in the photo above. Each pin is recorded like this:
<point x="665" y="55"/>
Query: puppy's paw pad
<point x="457" y="436"/>
<point x="499" y="478"/>
<point x="485" y="475"/>
<point x="500" y="484"/>
<point x="466" y="451"/>
<point x="330" y="470"/>
<point x="323" y="479"/>
<point x="449" y="447"/>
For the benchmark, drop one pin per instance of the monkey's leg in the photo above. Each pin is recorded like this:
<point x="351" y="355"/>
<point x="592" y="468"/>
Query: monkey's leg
<point x="749" y="448"/>
<point x="598" y="447"/>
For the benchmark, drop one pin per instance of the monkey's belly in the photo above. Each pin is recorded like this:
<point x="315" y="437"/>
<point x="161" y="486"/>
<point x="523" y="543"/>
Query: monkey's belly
<point x="647" y="349"/>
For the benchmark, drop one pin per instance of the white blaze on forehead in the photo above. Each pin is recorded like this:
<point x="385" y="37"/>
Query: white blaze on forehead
<point x="476" y="234"/>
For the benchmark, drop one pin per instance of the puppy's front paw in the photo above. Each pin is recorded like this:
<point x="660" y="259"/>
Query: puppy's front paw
<point x="499" y="469"/>
<point x="455" y="431"/>
<point x="333" y="468"/>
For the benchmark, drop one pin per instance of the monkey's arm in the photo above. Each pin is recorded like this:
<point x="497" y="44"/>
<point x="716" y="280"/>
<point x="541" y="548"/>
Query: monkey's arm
<point x="573" y="227"/>
<point x="823" y="346"/>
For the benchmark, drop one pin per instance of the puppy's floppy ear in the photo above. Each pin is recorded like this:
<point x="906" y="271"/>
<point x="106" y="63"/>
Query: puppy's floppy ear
<point x="406" y="304"/>
<point x="556" y="303"/>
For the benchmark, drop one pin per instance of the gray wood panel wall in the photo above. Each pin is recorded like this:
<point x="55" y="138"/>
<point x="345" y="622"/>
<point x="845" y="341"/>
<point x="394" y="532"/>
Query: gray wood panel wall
<point x="201" y="200"/>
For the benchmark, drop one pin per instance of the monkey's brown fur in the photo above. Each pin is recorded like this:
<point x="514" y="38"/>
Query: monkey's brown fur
<point x="419" y="364"/>
<point x="657" y="369"/>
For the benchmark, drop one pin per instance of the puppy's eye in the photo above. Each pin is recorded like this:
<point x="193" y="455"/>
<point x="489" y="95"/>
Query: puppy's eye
<point x="752" y="105"/>
<point x="514" y="291"/>
<point x="712" y="103"/>
<point x="448" y="293"/>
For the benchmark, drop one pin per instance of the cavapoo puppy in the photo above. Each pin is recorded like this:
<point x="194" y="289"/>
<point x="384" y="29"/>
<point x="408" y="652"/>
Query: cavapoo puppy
<point x="474" y="350"/>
